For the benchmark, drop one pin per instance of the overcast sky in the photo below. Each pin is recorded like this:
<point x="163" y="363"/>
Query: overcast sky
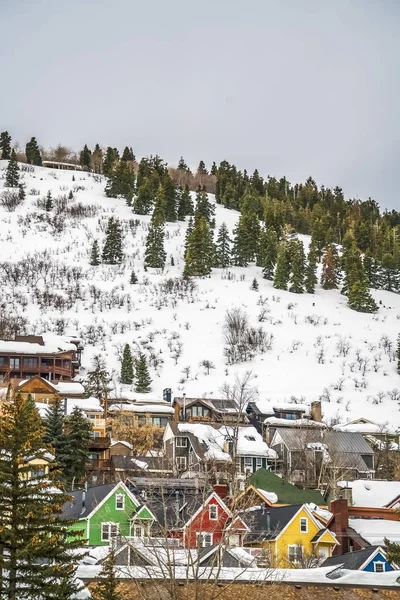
<point x="294" y="87"/>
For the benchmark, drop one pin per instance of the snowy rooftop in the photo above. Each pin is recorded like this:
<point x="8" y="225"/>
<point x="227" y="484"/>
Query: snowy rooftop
<point x="277" y="422"/>
<point x="249" y="441"/>
<point x="372" y="493"/>
<point x="375" y="531"/>
<point x="69" y="387"/>
<point x="368" y="427"/>
<point x="142" y="408"/>
<point x="271" y="406"/>
<point x="52" y="345"/>
<point x="90" y="404"/>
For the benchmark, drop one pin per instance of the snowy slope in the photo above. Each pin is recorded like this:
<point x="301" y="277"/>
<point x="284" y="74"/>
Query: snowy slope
<point x="110" y="312"/>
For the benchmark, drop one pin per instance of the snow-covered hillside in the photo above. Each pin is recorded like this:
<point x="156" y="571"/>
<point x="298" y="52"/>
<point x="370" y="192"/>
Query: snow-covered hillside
<point x="320" y="347"/>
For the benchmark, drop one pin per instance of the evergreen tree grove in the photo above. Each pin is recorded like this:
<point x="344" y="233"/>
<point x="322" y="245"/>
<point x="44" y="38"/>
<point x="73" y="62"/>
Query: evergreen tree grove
<point x="12" y="171"/>
<point x="127" y="366"/>
<point x="36" y="549"/>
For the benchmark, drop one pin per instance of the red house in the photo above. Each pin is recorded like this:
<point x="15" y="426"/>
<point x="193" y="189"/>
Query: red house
<point x="199" y="523"/>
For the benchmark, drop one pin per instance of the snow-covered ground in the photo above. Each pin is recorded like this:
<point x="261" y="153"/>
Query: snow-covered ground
<point x="179" y="330"/>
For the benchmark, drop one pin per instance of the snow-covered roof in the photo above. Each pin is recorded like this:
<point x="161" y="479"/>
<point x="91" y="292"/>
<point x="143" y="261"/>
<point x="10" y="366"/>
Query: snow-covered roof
<point x="368" y="427"/>
<point x="249" y="441"/>
<point x="52" y="345"/>
<point x="375" y="531"/>
<point x="127" y="444"/>
<point x="69" y="387"/>
<point x="90" y="404"/>
<point x="42" y="409"/>
<point x="270" y="406"/>
<point x="270" y="496"/>
<point x="142" y="408"/>
<point x="277" y="422"/>
<point x="372" y="493"/>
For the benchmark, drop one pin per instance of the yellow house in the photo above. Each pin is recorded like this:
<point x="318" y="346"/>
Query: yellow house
<point x="39" y="466"/>
<point x="292" y="535"/>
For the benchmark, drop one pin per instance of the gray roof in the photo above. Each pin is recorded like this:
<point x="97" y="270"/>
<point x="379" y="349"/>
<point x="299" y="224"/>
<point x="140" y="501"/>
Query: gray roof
<point x="84" y="501"/>
<point x="337" y="441"/>
<point x="175" y="511"/>
<point x="351" y="560"/>
<point x="267" y="524"/>
<point x="218" y="404"/>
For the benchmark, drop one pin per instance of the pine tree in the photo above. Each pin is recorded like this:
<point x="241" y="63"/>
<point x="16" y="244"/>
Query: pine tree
<point x="214" y="169"/>
<point x="155" y="254"/>
<point x="282" y="271"/>
<point x="254" y="285"/>
<point x="121" y="182"/>
<point x="246" y="239"/>
<point x="311" y="279"/>
<point x="182" y="166"/>
<point x="95" y="254"/>
<point x="201" y="169"/>
<point x="199" y="254"/>
<point x="143" y="202"/>
<point x="12" y="171"/>
<point x="76" y="449"/>
<point x="97" y="159"/>
<point x="70" y="195"/>
<point x="360" y="298"/>
<point x="142" y="375"/>
<point x="185" y="204"/>
<point x="127" y="155"/>
<point x="373" y="272"/>
<point x="54" y="423"/>
<point x="223" y="248"/>
<point x="21" y="193"/>
<point x="318" y="237"/>
<point x="330" y="276"/>
<point x="133" y="278"/>
<point x="37" y="547"/>
<point x="390" y="278"/>
<point x="98" y="381"/>
<point x="112" y="250"/>
<point x="170" y="197"/>
<point x="85" y="158"/>
<point x="298" y="267"/>
<point x="110" y="160"/>
<point x="5" y="146"/>
<point x="49" y="202"/>
<point x="32" y="153"/>
<point x="204" y="208"/>
<point x="352" y="266"/>
<point x="106" y="588"/>
<point x="158" y="216"/>
<point x="127" y="366"/>
<point x="267" y="252"/>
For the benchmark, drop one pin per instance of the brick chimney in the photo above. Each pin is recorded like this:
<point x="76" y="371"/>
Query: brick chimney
<point x="316" y="411"/>
<point x="221" y="489"/>
<point x="340" y="524"/>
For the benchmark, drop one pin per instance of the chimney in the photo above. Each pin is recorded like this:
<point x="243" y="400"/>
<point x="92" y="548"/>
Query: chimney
<point x="268" y="522"/>
<point x="316" y="411"/>
<point x="221" y="489"/>
<point x="263" y="508"/>
<point x="340" y="511"/>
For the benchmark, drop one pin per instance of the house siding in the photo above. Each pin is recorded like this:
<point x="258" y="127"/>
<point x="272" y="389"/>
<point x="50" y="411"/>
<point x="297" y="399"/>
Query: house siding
<point x="380" y="559"/>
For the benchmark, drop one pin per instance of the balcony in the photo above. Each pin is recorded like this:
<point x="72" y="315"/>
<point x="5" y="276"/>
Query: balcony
<point x="99" y="443"/>
<point x="98" y="465"/>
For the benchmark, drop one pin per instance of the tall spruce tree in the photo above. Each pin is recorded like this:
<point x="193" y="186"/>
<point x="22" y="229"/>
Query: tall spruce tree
<point x="32" y="153"/>
<point x="330" y="275"/>
<point x="204" y="208"/>
<point x="199" y="254"/>
<point x="360" y="298"/>
<point x="246" y="239"/>
<point x="155" y="254"/>
<point x="127" y="366"/>
<point x="223" y="248"/>
<point x="282" y="271"/>
<point x="311" y="279"/>
<point x="110" y="161"/>
<point x="373" y="271"/>
<point x="127" y="155"/>
<point x="98" y="380"/>
<point x="37" y="547"/>
<point x="144" y="199"/>
<point x="170" y="198"/>
<point x="12" y="171"/>
<point x="352" y="266"/>
<point x="76" y="450"/>
<point x="185" y="204"/>
<point x="158" y="216"/>
<point x="121" y="182"/>
<point x="133" y="278"/>
<point x="267" y="252"/>
<point x="112" y="250"/>
<point x="54" y="423"/>
<point x="390" y="276"/>
<point x="142" y="375"/>
<point x="298" y="267"/>
<point x="5" y="145"/>
<point x="85" y="158"/>
<point x="95" y="254"/>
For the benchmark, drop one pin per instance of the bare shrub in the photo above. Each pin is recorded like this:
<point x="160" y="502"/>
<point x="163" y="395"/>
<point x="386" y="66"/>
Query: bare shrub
<point x="10" y="199"/>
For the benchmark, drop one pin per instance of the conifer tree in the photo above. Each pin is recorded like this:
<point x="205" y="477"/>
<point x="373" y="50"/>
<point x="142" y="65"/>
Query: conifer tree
<point x="127" y="366"/>
<point x="223" y="248"/>
<point x="199" y="254"/>
<point x="390" y="276"/>
<point x="155" y="254"/>
<point x="121" y="182"/>
<point x="373" y="271"/>
<point x="85" y="158"/>
<point x="97" y="159"/>
<point x="254" y="285"/>
<point x="5" y="146"/>
<point x="185" y="204"/>
<point x="133" y="278"/>
<point x="267" y="252"/>
<point x="158" y="216"/>
<point x="246" y="239"/>
<point x="142" y="375"/>
<point x="311" y="279"/>
<point x="330" y="276"/>
<point x="214" y="169"/>
<point x="32" y="153"/>
<point x="298" y="267"/>
<point x="352" y="266"/>
<point x="204" y="208"/>
<point x="54" y="424"/>
<point x="106" y="588"/>
<point x="127" y="155"/>
<point x="21" y="193"/>
<point x="170" y="198"/>
<point x="282" y="271"/>
<point x="37" y="547"/>
<point x="12" y="171"/>
<point x="98" y="381"/>
<point x="182" y="166"/>
<point x="201" y="169"/>
<point x="318" y="237"/>
<point x="144" y="199"/>
<point x="76" y="449"/>
<point x="189" y="230"/>
<point x="70" y="195"/>
<point x="95" y="254"/>
<point x="360" y="298"/>
<point x="110" y="160"/>
<point x="112" y="250"/>
<point x="49" y="202"/>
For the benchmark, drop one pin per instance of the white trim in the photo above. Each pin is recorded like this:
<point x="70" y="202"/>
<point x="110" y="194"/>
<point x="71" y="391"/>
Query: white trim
<point x="119" y="485"/>
<point x="109" y="525"/>
<point x="310" y="515"/>
<point x="210" y="506"/>
<point x="306" y="523"/>
<point x="181" y="462"/>
<point x="205" y="503"/>
<point x="181" y="439"/>
<point x="377" y="550"/>
<point x="379" y="562"/>
<point x="118" y="497"/>
<point x="294" y="562"/>
<point x="202" y="534"/>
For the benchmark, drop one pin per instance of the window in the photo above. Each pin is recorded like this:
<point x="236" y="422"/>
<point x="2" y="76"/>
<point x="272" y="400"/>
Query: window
<point x="181" y="442"/>
<point x="30" y="362"/>
<point x="379" y="567"/>
<point x="2" y="360"/>
<point x="14" y="363"/>
<point x="295" y="553"/>
<point x="160" y="421"/>
<point x="304" y="525"/>
<point x="95" y="434"/>
<point x="191" y="453"/>
<point x="93" y="456"/>
<point x="119" y="502"/>
<point x="108" y="531"/>
<point x="213" y="512"/>
<point x="67" y="364"/>
<point x="141" y="420"/>
<point x="39" y="472"/>
<point x="290" y="416"/>
<point x="248" y="461"/>
<point x="138" y="531"/>
<point x="259" y="462"/>
<point x="204" y="539"/>
<point x="181" y="462"/>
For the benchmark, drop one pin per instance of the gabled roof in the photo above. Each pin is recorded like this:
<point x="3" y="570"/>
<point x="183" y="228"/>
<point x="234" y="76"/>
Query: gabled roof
<point x="267" y="524"/>
<point x="373" y="493"/>
<point x="43" y="383"/>
<point x="86" y="502"/>
<point x="356" y="560"/>
<point x="287" y="492"/>
<point x="338" y="442"/>
<point x="221" y="405"/>
<point x="325" y="535"/>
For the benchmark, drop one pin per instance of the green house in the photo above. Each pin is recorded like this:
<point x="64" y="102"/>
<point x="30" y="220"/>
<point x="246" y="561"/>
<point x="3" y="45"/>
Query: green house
<point x="105" y="511"/>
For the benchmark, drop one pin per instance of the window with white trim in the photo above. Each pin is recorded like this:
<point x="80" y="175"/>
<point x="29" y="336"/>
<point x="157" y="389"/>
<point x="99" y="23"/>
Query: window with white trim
<point x="248" y="461"/>
<point x="379" y="567"/>
<point x="108" y="531"/>
<point x="191" y="457"/>
<point x="181" y="462"/>
<point x="213" y="512"/>
<point x="119" y="501"/>
<point x="205" y="539"/>
<point x="304" y="525"/>
<point x="181" y="442"/>
<point x="295" y="553"/>
<point x="259" y="462"/>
